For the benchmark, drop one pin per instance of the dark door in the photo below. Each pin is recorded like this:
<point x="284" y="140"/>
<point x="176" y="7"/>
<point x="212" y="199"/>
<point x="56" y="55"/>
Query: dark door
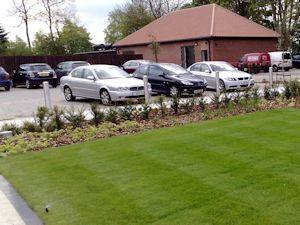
<point x="204" y="55"/>
<point x="187" y="56"/>
<point x="157" y="80"/>
<point x="20" y="76"/>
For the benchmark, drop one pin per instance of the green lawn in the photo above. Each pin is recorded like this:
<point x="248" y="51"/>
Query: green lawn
<point x="242" y="170"/>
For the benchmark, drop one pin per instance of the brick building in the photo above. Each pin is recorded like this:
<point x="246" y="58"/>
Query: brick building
<point x="202" y="33"/>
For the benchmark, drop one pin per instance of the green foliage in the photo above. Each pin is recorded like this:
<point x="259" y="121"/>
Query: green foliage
<point x="75" y="117"/>
<point x="202" y="104"/>
<point x="189" y="105"/>
<point x="72" y="39"/>
<point x="30" y="127"/>
<point x="126" y="113"/>
<point x="98" y="115"/>
<point x="3" y="40"/>
<point x="112" y="115"/>
<point x="162" y="106"/>
<point x="18" y="48"/>
<point x="57" y="119"/>
<point x="126" y="19"/>
<point x="144" y="111"/>
<point x="11" y="127"/>
<point x="175" y="104"/>
<point x="42" y="116"/>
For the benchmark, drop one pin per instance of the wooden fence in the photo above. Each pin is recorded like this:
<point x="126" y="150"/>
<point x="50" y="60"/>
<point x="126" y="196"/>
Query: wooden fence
<point x="11" y="63"/>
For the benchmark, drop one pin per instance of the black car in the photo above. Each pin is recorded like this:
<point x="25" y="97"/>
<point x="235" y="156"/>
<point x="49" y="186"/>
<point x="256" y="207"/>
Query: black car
<point x="33" y="75"/>
<point x="171" y="79"/>
<point x="296" y="61"/>
<point x="64" y="68"/>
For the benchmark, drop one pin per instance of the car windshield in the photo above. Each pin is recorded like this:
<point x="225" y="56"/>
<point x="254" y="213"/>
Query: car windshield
<point x="41" y="67"/>
<point x="222" y="67"/>
<point x="174" y="69"/>
<point x="78" y="64"/>
<point x="110" y="73"/>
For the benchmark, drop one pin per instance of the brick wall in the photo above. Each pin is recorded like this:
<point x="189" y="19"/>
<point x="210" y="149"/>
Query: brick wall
<point x="230" y="50"/>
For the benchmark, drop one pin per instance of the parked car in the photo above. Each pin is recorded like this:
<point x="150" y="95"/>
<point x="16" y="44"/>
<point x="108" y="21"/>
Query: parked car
<point x="171" y="79"/>
<point x="230" y="77"/>
<point x="296" y="61"/>
<point x="132" y="65"/>
<point x="5" y="81"/>
<point x="64" y="68"/>
<point x="33" y="75"/>
<point x="281" y="60"/>
<point x="105" y="82"/>
<point x="255" y="62"/>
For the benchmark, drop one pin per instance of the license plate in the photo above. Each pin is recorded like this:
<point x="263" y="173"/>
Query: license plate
<point x="244" y="83"/>
<point x="198" y="91"/>
<point x="245" y="69"/>
<point x="43" y="74"/>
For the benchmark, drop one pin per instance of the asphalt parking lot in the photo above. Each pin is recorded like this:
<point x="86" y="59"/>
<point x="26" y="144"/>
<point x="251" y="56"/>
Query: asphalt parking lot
<point x="22" y="103"/>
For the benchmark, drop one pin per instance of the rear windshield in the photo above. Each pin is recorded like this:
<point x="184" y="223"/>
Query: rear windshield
<point x="287" y="56"/>
<point x="41" y="67"/>
<point x="75" y="65"/>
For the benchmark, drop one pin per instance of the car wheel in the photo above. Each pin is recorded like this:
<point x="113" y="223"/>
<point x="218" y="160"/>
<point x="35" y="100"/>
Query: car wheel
<point x="222" y="86"/>
<point x="7" y="88"/>
<point x="68" y="94"/>
<point x="105" y="97"/>
<point x="286" y="69"/>
<point x="275" y="68"/>
<point x="54" y="85"/>
<point x="28" y="84"/>
<point x="174" y="91"/>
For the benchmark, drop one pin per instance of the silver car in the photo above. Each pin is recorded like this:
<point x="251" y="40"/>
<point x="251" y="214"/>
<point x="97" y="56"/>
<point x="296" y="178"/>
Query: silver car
<point x="230" y="77"/>
<point x="104" y="82"/>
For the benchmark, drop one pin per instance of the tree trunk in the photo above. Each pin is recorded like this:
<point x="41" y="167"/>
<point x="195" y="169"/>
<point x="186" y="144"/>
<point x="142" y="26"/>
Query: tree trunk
<point x="27" y="33"/>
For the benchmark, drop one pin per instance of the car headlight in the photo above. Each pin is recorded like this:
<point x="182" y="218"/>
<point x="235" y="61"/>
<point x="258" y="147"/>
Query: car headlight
<point x="230" y="79"/>
<point x="123" y="89"/>
<point x="186" y="83"/>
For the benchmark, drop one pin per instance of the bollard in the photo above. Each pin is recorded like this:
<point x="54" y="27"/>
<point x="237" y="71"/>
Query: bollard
<point x="218" y="83"/>
<point x="271" y="76"/>
<point x="146" y="89"/>
<point x="47" y="96"/>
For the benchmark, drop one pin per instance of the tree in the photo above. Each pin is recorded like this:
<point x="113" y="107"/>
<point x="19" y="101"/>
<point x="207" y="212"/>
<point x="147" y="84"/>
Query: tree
<point x="74" y="38"/>
<point x="54" y="12"/>
<point x="159" y="8"/>
<point x="24" y="9"/>
<point x="155" y="47"/>
<point x="18" y="47"/>
<point x="3" y="40"/>
<point x="126" y="19"/>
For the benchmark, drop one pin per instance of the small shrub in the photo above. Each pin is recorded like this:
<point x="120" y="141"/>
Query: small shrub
<point x="30" y="127"/>
<point x="145" y="111"/>
<point x="267" y="93"/>
<point x="216" y="101"/>
<point x="226" y="100"/>
<point x="237" y="98"/>
<point x="56" y="120"/>
<point x="12" y="127"/>
<point x="175" y="104"/>
<point x="255" y="94"/>
<point x="98" y="115"/>
<point x="42" y="116"/>
<point x="287" y="93"/>
<point x="76" y="119"/>
<point x="162" y="105"/>
<point x="127" y="112"/>
<point x="112" y="115"/>
<point x="202" y="104"/>
<point x="189" y="105"/>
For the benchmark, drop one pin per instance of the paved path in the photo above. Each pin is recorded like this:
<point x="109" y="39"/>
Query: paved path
<point x="13" y="209"/>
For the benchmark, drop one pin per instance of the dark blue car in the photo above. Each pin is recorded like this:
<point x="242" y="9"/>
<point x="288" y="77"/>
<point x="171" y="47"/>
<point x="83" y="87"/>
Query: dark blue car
<point x="5" y="81"/>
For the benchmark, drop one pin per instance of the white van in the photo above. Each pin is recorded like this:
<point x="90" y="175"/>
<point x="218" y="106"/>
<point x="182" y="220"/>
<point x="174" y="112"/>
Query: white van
<point x="281" y="60"/>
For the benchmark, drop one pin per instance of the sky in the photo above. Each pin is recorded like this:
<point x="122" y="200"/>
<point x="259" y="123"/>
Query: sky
<point x="93" y="14"/>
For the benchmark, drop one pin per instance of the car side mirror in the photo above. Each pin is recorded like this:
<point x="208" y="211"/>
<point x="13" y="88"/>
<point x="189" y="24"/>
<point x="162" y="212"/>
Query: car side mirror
<point x="91" y="78"/>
